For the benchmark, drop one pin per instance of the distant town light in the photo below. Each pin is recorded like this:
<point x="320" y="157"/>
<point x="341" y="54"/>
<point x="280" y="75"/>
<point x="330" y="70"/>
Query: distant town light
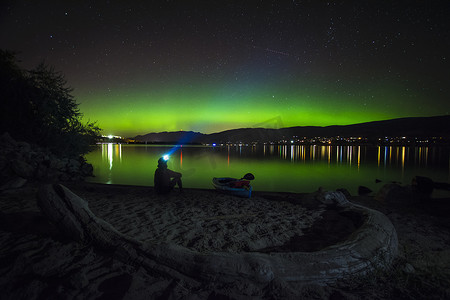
<point x="112" y="136"/>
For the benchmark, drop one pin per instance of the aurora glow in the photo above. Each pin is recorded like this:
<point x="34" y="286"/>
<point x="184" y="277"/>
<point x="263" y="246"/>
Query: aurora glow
<point x="140" y="67"/>
<point x="211" y="111"/>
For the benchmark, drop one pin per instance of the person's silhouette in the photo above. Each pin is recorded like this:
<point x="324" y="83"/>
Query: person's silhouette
<point x="165" y="179"/>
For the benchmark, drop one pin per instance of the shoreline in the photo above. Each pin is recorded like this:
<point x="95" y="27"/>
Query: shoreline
<point x="136" y="211"/>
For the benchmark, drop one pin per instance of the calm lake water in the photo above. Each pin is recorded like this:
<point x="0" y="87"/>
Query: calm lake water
<point x="289" y="168"/>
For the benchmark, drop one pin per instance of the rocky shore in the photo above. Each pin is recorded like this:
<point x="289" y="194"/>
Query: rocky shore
<point x="20" y="162"/>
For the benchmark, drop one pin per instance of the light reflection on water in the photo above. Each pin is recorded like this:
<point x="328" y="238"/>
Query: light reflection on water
<point x="294" y="168"/>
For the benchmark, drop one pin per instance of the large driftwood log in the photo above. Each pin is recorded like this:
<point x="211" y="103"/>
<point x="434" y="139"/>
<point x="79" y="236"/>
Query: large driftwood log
<point x="372" y="245"/>
<point x="73" y="217"/>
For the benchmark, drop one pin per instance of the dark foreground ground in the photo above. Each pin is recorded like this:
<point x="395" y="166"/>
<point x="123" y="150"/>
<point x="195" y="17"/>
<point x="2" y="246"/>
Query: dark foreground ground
<point x="421" y="271"/>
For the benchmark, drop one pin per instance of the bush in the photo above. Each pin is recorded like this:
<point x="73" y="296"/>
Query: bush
<point x="37" y="107"/>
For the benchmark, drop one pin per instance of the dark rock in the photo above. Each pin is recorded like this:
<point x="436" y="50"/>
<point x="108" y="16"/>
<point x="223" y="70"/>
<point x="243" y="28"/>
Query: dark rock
<point x="22" y="168"/>
<point x="422" y="185"/>
<point x="73" y="164"/>
<point x="15" y="183"/>
<point x="57" y="164"/>
<point x="64" y="177"/>
<point x="41" y="171"/>
<point x="7" y="141"/>
<point x="393" y="193"/>
<point x="87" y="170"/>
<point x="24" y="147"/>
<point x="441" y="186"/>
<point x="363" y="190"/>
<point x="20" y="159"/>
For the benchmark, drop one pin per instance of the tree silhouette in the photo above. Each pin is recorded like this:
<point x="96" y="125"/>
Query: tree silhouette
<point x="37" y="106"/>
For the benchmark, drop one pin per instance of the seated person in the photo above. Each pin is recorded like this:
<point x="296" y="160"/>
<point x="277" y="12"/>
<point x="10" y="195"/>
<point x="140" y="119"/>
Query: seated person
<point x="165" y="179"/>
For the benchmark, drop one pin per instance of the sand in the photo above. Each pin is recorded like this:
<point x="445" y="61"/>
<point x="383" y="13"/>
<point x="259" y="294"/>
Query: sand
<point x="37" y="262"/>
<point x="201" y="220"/>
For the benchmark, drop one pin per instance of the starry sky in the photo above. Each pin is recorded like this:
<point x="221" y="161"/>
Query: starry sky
<point x="148" y="66"/>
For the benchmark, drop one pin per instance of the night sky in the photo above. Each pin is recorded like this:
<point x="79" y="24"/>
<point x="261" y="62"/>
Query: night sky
<point x="148" y="66"/>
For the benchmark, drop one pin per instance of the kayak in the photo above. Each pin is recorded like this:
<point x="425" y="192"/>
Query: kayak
<point x="233" y="186"/>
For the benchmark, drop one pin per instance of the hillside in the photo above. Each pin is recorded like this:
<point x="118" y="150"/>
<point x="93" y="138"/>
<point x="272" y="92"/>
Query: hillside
<point x="408" y="127"/>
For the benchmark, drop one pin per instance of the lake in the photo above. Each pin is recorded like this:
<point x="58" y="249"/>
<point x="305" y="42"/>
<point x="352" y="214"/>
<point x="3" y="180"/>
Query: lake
<point x="291" y="168"/>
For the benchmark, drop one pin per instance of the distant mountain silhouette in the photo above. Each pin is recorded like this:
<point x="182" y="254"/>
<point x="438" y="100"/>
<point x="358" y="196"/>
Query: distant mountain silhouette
<point x="409" y="127"/>
<point x="175" y="137"/>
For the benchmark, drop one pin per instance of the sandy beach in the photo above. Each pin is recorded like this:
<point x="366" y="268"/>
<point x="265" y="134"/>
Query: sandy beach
<point x="38" y="262"/>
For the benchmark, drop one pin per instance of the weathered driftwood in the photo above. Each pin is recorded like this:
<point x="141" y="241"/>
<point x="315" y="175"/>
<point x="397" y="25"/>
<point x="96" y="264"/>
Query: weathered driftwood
<point x="73" y="217"/>
<point x="372" y="245"/>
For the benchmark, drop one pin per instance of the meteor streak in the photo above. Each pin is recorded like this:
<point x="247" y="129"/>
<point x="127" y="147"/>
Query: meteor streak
<point x="273" y="51"/>
<point x="277" y="52"/>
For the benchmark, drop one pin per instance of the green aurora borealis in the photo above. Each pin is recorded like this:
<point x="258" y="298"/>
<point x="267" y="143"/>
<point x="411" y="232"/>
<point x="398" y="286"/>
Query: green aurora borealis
<point x="148" y="66"/>
<point x="217" y="107"/>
